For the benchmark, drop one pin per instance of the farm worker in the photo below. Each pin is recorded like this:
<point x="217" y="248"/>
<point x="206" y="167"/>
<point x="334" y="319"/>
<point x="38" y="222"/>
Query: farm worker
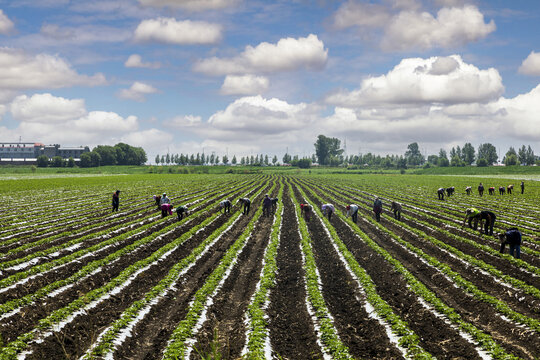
<point x="157" y="199"/>
<point x="352" y="210"/>
<point x="396" y="208"/>
<point x="328" y="210"/>
<point x="491" y="190"/>
<point x="225" y="205"/>
<point x="468" y="190"/>
<point x="115" y="200"/>
<point x="502" y="190"/>
<point x="274" y="203"/>
<point x="305" y="210"/>
<point x="511" y="237"/>
<point x="440" y="193"/>
<point x="480" y="189"/>
<point x="267" y="205"/>
<point x="181" y="210"/>
<point x="450" y="191"/>
<point x="486" y="217"/>
<point x="509" y="189"/>
<point x="247" y="203"/>
<point x="377" y="208"/>
<point x="522" y="187"/>
<point x="166" y="209"/>
<point x="165" y="199"/>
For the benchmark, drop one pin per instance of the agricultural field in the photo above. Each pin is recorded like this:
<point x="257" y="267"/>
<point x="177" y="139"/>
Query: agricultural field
<point x="78" y="281"/>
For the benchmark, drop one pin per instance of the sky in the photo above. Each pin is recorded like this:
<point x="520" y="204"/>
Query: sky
<point x="242" y="77"/>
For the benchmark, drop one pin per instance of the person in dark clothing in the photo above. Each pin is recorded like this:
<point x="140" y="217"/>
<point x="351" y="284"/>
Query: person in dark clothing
<point x="157" y="199"/>
<point x="450" y="191"/>
<point x="486" y="219"/>
<point x="181" y="210"/>
<point x="328" y="210"/>
<point x="502" y="190"/>
<point x="225" y="205"/>
<point x="274" y="203"/>
<point x="509" y="189"/>
<point x="353" y="211"/>
<point x="522" y="187"/>
<point x="305" y="210"/>
<point x="480" y="189"/>
<point x="396" y="208"/>
<point x="440" y="193"/>
<point x="247" y="204"/>
<point x="115" y="200"/>
<point x="377" y="209"/>
<point x="267" y="205"/>
<point x="511" y="237"/>
<point x="468" y="190"/>
<point x="491" y="190"/>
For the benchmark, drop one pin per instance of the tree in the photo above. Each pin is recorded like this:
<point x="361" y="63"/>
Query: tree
<point x="467" y="154"/>
<point x="510" y="158"/>
<point x="274" y="160"/>
<point x="287" y="158"/>
<point x="413" y="155"/>
<point x="530" y="156"/>
<point x="326" y="148"/>
<point x="57" y="161"/>
<point x="456" y="161"/>
<point x="167" y="159"/>
<point x="43" y="161"/>
<point x="481" y="162"/>
<point x="225" y="159"/>
<point x="95" y="158"/>
<point x="71" y="162"/>
<point x="157" y="159"/>
<point x="266" y="161"/>
<point x="108" y="154"/>
<point x="433" y="159"/>
<point x="86" y="160"/>
<point x="234" y="160"/>
<point x="489" y="152"/>
<point x="304" y="163"/>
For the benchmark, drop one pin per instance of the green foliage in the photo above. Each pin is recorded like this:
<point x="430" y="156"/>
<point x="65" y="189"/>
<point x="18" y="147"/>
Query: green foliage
<point x="413" y="155"/>
<point x="482" y="162"/>
<point x="488" y="152"/>
<point x="42" y="161"/>
<point x="327" y="150"/>
<point x="57" y="161"/>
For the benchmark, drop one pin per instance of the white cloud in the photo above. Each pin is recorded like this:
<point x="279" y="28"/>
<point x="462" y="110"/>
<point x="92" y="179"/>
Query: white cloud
<point x="137" y="91"/>
<point x="171" y="31"/>
<point x="286" y="55"/>
<point x="183" y="122"/>
<point x="150" y="140"/>
<point x="24" y="71"/>
<point x="46" y="108"/>
<point x="192" y="5"/>
<point x="135" y="61"/>
<point x="244" y="85"/>
<point x="6" y="25"/>
<point x="53" y="34"/>
<point x="531" y="65"/>
<point x="452" y="27"/>
<point x="105" y="121"/>
<point x="361" y="14"/>
<point x="424" y="81"/>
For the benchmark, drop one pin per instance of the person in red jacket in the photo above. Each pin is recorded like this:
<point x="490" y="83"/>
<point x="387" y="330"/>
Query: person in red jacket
<point x="305" y="210"/>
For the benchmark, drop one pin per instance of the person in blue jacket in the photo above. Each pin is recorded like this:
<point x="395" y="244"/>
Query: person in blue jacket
<point x="511" y="237"/>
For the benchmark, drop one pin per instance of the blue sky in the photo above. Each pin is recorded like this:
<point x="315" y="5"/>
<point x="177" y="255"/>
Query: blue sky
<point x="252" y="77"/>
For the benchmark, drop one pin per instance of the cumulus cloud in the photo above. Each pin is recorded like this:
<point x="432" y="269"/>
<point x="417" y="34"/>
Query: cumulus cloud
<point x="452" y="27"/>
<point x="244" y="85"/>
<point x="53" y="34"/>
<point x="150" y="140"/>
<point x="137" y="91"/>
<point x="404" y="27"/>
<point x="135" y="61"/>
<point x="286" y="55"/>
<point x="192" y="5"/>
<point x="6" y="25"/>
<point x="24" y="71"/>
<point x="171" y="31"/>
<point x="46" y="108"/>
<point x="424" y="81"/>
<point x="531" y="65"/>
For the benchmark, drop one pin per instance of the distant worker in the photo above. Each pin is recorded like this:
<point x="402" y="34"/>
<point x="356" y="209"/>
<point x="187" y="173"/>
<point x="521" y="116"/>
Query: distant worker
<point x="509" y="189"/>
<point x="166" y="209"/>
<point x="450" y="191"/>
<point x="246" y="203"/>
<point x="480" y="189"/>
<point x="396" y="208"/>
<point x="377" y="208"/>
<point x="352" y="210"/>
<point x="522" y="187"/>
<point x="267" y="205"/>
<point x="468" y="190"/>
<point x="181" y="211"/>
<point x="440" y="193"/>
<point x="491" y="190"/>
<point x="157" y="199"/>
<point x="274" y="203"/>
<point x="225" y="205"/>
<point x="164" y="200"/>
<point x="328" y="210"/>
<point x="502" y="190"/>
<point x="486" y="219"/>
<point x="115" y="200"/>
<point x="305" y="210"/>
<point x="511" y="237"/>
